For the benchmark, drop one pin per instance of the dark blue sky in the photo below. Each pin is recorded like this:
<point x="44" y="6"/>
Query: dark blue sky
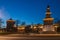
<point x="28" y="10"/>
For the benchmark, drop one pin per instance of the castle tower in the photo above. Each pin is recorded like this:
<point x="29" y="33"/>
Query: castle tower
<point x="10" y="25"/>
<point x="48" y="21"/>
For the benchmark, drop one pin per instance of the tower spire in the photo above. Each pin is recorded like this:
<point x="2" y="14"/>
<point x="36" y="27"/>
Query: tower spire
<point x="48" y="9"/>
<point x="48" y="22"/>
<point x="48" y="12"/>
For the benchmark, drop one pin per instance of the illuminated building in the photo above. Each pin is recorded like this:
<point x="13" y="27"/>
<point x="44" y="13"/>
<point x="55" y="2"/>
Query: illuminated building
<point x="21" y="29"/>
<point x="10" y="26"/>
<point x="48" y="22"/>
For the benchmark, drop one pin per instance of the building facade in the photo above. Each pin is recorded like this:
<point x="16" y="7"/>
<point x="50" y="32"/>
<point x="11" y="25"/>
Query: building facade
<point x="10" y="26"/>
<point x="48" y="22"/>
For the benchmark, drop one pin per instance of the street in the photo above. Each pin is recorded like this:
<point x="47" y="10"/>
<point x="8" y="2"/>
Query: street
<point x="25" y="37"/>
<point x="29" y="38"/>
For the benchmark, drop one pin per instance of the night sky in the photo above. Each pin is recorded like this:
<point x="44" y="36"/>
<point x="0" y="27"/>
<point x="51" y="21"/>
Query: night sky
<point x="28" y="10"/>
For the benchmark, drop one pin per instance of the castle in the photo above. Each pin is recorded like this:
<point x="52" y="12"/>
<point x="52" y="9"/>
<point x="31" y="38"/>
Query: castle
<point x="47" y="27"/>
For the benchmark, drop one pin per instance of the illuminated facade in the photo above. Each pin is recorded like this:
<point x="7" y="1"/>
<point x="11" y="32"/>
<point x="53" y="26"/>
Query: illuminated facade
<point x="48" y="25"/>
<point x="48" y="21"/>
<point x="21" y="29"/>
<point x="10" y="26"/>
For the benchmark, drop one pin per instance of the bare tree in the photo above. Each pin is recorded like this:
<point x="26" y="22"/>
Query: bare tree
<point x="56" y="20"/>
<point x="1" y="21"/>
<point x="23" y="23"/>
<point x="17" y="23"/>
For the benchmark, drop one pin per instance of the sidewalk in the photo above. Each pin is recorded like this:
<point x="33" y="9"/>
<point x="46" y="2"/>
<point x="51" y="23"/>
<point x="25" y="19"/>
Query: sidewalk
<point x="33" y="35"/>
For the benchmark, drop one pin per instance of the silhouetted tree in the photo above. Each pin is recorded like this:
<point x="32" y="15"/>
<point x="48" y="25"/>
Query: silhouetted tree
<point x="1" y="21"/>
<point x="38" y="23"/>
<point x="56" y="20"/>
<point x="17" y="23"/>
<point x="23" y="23"/>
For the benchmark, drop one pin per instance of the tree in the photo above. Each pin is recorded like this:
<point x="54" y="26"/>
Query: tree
<point x="23" y="23"/>
<point x="1" y="21"/>
<point x="17" y="23"/>
<point x="56" y="20"/>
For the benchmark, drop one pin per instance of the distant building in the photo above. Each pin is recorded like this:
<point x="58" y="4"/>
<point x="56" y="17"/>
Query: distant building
<point x="21" y="29"/>
<point x="36" y="28"/>
<point x="10" y="26"/>
<point x="28" y="29"/>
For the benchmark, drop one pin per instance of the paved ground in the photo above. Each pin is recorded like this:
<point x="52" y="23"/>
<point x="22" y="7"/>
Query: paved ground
<point x="31" y="37"/>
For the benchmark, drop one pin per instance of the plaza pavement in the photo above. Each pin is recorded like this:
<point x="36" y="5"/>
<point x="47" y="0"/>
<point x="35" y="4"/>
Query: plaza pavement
<point x="30" y="37"/>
